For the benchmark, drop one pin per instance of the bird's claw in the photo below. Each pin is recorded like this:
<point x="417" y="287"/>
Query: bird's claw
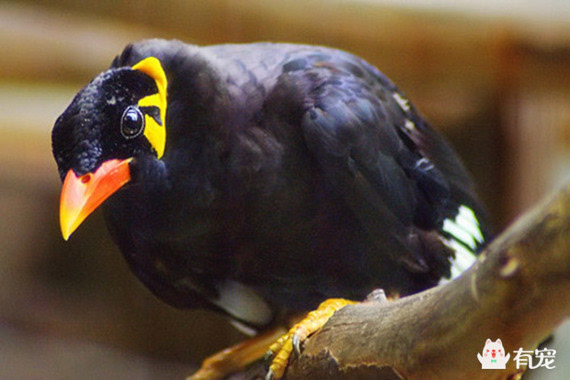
<point x="377" y="295"/>
<point x="297" y="343"/>
<point x="280" y="352"/>
<point x="270" y="375"/>
<point x="278" y="356"/>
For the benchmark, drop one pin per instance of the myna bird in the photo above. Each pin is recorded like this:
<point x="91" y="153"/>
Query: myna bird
<point x="259" y="180"/>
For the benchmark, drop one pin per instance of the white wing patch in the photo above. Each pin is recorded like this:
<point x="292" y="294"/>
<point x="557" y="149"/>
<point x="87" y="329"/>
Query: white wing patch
<point x="465" y="235"/>
<point x="467" y="219"/>
<point x="464" y="258"/>
<point x="458" y="233"/>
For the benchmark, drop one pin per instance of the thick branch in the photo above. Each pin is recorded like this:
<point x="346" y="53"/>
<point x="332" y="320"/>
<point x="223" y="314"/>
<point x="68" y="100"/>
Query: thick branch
<point x="518" y="291"/>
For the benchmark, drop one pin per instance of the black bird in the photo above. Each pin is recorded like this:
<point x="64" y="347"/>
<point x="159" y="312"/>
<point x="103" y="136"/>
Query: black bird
<point x="261" y="179"/>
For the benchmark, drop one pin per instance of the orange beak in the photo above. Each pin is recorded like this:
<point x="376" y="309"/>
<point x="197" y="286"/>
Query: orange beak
<point x="80" y="196"/>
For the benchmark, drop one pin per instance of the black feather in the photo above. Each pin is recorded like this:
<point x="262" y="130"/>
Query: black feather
<point x="301" y="172"/>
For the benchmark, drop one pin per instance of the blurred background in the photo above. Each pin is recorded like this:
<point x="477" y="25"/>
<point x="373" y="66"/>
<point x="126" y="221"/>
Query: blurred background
<point x="492" y="75"/>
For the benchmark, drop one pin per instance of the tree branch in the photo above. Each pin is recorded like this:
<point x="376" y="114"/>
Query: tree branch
<point x="518" y="291"/>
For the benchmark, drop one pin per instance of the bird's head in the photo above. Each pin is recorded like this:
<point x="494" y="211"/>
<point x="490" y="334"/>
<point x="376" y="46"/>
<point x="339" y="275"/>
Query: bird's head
<point x="116" y="118"/>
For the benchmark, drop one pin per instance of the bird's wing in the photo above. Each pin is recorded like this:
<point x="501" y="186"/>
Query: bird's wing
<point x="394" y="171"/>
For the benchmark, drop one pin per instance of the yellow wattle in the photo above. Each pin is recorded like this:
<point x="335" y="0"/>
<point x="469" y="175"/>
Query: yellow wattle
<point x="155" y="133"/>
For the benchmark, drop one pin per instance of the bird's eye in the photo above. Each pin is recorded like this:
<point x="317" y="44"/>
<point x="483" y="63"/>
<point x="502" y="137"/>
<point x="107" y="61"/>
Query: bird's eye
<point x="132" y="122"/>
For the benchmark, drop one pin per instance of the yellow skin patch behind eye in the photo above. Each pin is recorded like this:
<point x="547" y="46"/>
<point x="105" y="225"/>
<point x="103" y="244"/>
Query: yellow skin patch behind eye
<point x="155" y="133"/>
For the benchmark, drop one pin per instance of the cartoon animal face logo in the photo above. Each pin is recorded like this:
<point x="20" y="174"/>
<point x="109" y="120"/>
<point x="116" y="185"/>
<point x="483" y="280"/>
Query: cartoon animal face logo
<point x="493" y="355"/>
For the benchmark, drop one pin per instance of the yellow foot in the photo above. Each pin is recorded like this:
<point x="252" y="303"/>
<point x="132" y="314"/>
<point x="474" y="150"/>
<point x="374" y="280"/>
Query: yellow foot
<point x="236" y="358"/>
<point x="281" y="350"/>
